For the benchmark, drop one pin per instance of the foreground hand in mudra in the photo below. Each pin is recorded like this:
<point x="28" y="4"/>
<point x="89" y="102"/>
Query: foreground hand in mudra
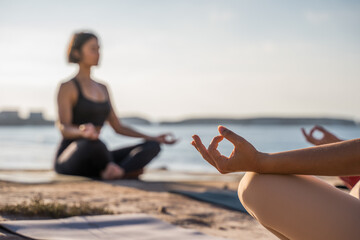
<point x="333" y="159"/>
<point x="244" y="156"/>
<point x="309" y="195"/>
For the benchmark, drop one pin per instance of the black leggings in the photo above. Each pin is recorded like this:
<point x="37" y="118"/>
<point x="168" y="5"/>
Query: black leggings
<point x="88" y="158"/>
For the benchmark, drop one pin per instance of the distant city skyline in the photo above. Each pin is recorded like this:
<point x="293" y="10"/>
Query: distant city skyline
<point x="170" y="60"/>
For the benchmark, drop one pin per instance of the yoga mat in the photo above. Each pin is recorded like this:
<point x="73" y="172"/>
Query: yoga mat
<point x="123" y="226"/>
<point x="37" y="176"/>
<point x="228" y="199"/>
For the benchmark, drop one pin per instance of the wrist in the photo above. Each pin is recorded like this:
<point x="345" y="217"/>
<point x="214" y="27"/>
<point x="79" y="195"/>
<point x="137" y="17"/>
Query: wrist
<point x="262" y="161"/>
<point x="339" y="140"/>
<point x="149" y="138"/>
<point x="81" y="130"/>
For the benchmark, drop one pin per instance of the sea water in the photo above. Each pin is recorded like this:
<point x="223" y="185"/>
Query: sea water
<point x="34" y="147"/>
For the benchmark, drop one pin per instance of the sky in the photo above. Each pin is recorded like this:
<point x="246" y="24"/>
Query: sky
<point x="170" y="60"/>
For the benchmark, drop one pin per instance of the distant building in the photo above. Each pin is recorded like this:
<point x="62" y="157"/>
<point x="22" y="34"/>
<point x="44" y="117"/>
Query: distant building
<point x="36" y="116"/>
<point x="12" y="118"/>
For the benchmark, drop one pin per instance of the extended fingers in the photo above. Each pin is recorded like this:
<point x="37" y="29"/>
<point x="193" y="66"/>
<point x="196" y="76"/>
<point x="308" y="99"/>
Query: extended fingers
<point x="202" y="149"/>
<point x="200" y="146"/>
<point x="215" y="141"/>
<point x="230" y="135"/>
<point x="305" y="133"/>
<point x="194" y="144"/>
<point x="311" y="133"/>
<point x="214" y="144"/>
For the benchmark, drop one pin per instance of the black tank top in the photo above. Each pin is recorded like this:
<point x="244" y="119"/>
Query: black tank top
<point x="89" y="111"/>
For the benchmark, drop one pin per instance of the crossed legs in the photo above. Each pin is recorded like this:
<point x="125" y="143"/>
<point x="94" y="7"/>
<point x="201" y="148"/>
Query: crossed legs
<point x="89" y="157"/>
<point x="301" y="206"/>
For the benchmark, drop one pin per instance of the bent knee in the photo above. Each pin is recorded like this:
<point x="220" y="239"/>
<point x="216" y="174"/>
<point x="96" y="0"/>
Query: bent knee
<point x="260" y="193"/>
<point x="248" y="187"/>
<point x="154" y="146"/>
<point x="253" y="195"/>
<point x="254" y="188"/>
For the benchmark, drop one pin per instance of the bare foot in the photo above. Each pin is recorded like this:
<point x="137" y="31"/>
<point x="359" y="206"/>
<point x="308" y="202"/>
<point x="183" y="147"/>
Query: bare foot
<point x="112" y="171"/>
<point x="134" y="174"/>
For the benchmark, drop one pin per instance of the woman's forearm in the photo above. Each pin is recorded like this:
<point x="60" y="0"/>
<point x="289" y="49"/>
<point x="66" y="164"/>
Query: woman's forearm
<point x="331" y="159"/>
<point x="70" y="131"/>
<point x="127" y="131"/>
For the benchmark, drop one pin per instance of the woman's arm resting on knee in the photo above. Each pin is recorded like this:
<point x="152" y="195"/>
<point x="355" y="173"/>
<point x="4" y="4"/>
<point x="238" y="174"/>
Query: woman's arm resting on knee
<point x="128" y="131"/>
<point x="335" y="159"/>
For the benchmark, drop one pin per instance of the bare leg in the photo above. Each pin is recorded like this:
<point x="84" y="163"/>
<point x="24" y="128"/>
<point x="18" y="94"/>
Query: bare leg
<point x="355" y="191"/>
<point x="300" y="206"/>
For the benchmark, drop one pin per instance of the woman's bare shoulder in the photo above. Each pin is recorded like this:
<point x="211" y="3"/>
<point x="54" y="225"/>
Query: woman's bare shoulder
<point x="67" y="88"/>
<point x="66" y="84"/>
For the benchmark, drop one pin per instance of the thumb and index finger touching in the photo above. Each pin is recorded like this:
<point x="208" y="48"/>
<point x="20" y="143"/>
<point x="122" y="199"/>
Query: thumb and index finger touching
<point x="224" y="133"/>
<point x="312" y="130"/>
<point x="230" y="135"/>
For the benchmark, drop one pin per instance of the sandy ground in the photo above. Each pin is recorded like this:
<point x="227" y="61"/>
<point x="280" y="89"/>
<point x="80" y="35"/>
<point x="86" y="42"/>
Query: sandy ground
<point x="151" y="197"/>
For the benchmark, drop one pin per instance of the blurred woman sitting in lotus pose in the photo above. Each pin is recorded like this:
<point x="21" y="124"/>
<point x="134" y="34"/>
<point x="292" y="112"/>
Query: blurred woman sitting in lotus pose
<point x="84" y="105"/>
<point x="280" y="191"/>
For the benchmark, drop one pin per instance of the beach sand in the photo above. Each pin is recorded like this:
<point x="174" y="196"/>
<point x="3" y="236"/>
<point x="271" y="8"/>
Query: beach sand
<point x="151" y="197"/>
